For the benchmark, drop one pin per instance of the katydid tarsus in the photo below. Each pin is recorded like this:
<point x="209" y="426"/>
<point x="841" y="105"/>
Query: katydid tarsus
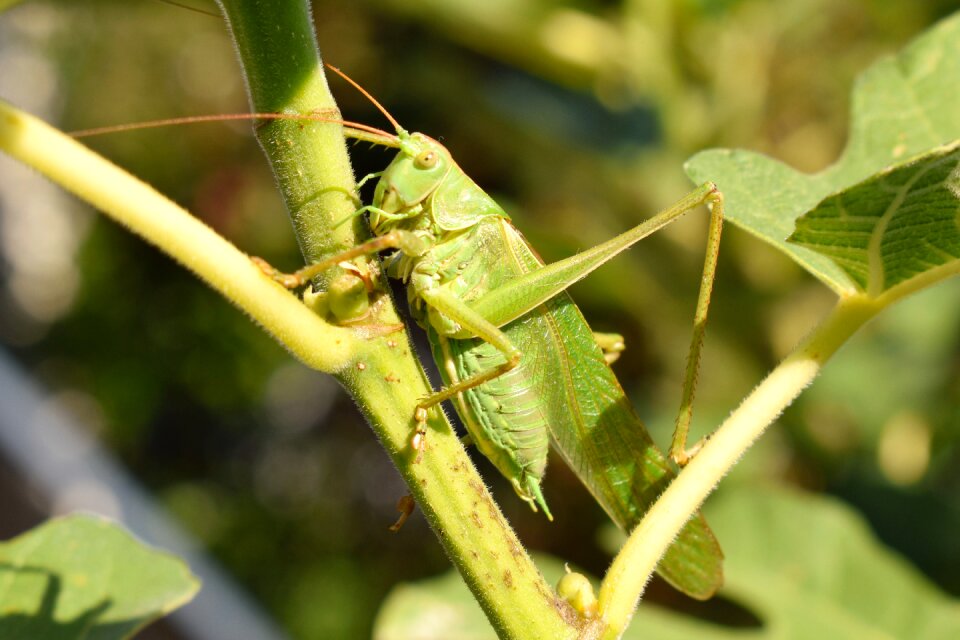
<point x="518" y="361"/>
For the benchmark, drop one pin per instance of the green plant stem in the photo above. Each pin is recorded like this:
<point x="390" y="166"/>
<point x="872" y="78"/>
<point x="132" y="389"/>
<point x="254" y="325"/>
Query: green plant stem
<point x="631" y="569"/>
<point x="284" y="74"/>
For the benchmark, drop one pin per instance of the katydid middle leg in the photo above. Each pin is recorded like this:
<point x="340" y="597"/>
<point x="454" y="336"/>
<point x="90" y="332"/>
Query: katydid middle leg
<point x="477" y="326"/>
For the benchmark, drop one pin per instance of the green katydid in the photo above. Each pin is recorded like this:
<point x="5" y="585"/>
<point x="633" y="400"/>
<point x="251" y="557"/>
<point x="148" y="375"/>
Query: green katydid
<point x="518" y="360"/>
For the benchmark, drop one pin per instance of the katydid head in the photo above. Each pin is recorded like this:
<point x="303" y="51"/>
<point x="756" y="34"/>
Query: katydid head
<point x="411" y="178"/>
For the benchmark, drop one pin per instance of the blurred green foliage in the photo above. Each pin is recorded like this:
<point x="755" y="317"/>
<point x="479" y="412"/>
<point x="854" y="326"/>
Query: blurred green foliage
<point x="85" y="576"/>
<point x="577" y="116"/>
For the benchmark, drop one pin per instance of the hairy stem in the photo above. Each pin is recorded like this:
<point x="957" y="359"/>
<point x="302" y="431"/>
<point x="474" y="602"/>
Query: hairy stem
<point x="283" y="73"/>
<point x="631" y="569"/>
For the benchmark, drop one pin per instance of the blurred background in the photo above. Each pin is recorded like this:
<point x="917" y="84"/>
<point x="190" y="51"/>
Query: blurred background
<point x="577" y="116"/>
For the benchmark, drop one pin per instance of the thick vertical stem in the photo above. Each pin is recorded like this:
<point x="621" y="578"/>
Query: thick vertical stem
<point x="284" y="74"/>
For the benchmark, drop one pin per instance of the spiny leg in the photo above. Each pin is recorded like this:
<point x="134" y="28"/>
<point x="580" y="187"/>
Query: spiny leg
<point x="521" y="295"/>
<point x="476" y="325"/>
<point x="397" y="239"/>
<point x="678" y="449"/>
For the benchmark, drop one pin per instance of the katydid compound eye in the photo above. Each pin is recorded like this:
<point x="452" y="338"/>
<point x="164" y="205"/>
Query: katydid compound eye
<point x="426" y="159"/>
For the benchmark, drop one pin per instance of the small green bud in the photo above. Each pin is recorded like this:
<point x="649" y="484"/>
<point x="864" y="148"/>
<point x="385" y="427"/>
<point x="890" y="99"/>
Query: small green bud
<point x="348" y="298"/>
<point x="576" y="589"/>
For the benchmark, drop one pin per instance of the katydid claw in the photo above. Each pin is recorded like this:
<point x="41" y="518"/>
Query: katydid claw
<point x="683" y="457"/>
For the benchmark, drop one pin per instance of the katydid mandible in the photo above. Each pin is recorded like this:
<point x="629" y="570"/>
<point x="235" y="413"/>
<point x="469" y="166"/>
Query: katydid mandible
<point x="518" y="360"/>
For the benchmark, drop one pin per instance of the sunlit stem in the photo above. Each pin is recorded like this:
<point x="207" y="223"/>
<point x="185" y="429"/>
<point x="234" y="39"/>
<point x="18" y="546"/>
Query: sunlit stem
<point x="149" y="214"/>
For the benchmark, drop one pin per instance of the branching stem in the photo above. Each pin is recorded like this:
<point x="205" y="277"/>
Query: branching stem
<point x="633" y="566"/>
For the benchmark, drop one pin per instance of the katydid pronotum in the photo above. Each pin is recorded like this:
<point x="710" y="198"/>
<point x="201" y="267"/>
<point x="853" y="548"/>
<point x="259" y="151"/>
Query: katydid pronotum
<point x="518" y="361"/>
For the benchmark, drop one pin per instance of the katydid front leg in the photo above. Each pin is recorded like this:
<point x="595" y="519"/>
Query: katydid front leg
<point x="405" y="241"/>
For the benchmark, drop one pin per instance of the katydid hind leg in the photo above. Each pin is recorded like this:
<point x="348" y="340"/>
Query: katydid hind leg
<point x="523" y="294"/>
<point x="678" y="448"/>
